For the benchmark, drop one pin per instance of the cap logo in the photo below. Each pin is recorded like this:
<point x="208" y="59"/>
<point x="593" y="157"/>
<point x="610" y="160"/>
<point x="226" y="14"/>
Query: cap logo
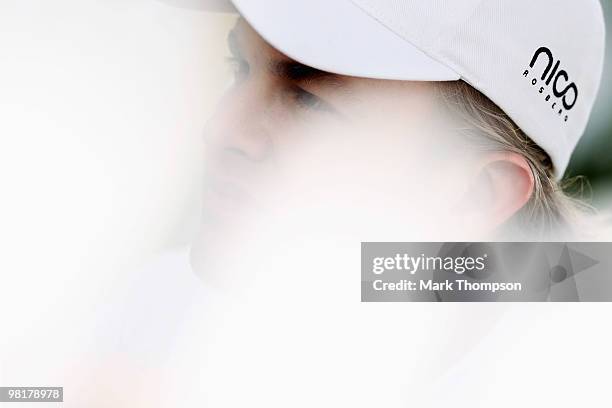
<point x="561" y="86"/>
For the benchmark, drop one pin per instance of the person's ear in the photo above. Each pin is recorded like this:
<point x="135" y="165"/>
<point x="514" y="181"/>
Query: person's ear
<point x="502" y="183"/>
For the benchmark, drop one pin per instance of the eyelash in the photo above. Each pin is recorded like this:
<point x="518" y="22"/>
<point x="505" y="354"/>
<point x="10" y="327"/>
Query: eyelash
<point x="307" y="100"/>
<point x="302" y="98"/>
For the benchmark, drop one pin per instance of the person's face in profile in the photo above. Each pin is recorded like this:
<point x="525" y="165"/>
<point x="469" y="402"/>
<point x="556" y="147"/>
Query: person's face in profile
<point x="289" y="138"/>
<point x="280" y="115"/>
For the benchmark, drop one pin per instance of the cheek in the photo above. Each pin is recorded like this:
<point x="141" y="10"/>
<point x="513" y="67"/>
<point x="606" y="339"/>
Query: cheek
<point x="388" y="101"/>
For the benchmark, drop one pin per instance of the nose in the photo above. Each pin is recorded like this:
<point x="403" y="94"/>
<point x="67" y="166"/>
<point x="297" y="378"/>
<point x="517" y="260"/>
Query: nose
<point x="238" y="126"/>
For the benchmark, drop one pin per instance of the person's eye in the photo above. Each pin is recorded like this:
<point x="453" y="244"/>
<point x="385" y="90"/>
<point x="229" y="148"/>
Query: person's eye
<point x="310" y="101"/>
<point x="240" y="68"/>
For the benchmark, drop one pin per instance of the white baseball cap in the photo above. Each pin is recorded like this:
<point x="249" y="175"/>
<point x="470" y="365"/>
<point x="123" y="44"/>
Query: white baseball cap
<point x="540" y="61"/>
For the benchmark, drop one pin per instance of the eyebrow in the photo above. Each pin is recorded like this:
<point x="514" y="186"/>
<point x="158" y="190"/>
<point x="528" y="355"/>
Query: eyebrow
<point x="298" y="72"/>
<point x="286" y="68"/>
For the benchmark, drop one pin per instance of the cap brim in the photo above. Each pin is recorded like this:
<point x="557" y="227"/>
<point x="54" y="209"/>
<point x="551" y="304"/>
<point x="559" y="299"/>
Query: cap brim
<point x="334" y="36"/>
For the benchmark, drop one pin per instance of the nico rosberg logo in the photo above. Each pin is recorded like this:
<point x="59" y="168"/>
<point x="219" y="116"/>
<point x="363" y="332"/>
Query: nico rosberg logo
<point x="553" y="82"/>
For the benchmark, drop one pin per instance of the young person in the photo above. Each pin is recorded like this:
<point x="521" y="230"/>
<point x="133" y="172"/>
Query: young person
<point x="488" y="97"/>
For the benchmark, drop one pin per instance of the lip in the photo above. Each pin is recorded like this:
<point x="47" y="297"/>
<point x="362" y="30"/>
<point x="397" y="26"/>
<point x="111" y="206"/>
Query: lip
<point x="229" y="190"/>
<point x="225" y="197"/>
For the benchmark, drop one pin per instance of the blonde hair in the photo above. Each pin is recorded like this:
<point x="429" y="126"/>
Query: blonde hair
<point x="554" y="209"/>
